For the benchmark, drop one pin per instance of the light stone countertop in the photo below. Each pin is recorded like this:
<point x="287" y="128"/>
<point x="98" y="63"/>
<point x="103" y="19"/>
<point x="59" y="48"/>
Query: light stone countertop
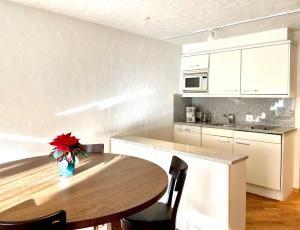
<point x="242" y="127"/>
<point x="189" y="150"/>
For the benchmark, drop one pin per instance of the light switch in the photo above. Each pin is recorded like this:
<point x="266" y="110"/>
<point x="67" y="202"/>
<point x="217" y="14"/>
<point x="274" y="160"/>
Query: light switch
<point x="249" y="118"/>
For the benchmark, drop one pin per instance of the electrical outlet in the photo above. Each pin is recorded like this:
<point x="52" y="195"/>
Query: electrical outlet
<point x="249" y="118"/>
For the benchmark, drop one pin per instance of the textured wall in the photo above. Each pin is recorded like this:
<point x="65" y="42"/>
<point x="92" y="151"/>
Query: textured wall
<point x="107" y="81"/>
<point x="179" y="104"/>
<point x="278" y="112"/>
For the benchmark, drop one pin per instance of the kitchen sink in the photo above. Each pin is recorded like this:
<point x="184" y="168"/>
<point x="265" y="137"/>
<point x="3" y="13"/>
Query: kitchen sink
<point x="221" y="124"/>
<point x="263" y="127"/>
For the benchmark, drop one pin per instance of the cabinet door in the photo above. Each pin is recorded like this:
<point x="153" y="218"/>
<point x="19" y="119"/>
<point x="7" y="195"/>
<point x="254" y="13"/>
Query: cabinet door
<point x="225" y="73"/>
<point x="189" y="135"/>
<point x="224" y="144"/>
<point x="265" y="70"/>
<point x="263" y="164"/>
<point x="194" y="62"/>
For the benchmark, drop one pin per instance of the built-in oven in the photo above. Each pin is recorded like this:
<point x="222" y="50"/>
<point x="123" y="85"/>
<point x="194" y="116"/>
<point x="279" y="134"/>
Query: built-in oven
<point x="195" y="81"/>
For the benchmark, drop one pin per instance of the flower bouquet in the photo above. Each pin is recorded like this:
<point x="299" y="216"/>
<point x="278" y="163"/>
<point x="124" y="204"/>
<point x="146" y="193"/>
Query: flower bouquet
<point x="66" y="153"/>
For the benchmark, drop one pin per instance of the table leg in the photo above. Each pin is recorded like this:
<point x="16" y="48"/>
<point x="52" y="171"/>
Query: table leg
<point x="116" y="225"/>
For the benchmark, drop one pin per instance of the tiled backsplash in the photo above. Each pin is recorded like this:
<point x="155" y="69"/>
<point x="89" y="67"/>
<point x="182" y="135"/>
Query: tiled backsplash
<point x="277" y="111"/>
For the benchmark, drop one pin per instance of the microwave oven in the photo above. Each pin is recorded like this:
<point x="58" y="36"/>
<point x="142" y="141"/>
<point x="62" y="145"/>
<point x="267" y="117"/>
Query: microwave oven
<point x="195" y="81"/>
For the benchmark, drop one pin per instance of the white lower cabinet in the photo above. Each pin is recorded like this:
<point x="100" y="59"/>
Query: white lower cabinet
<point x="224" y="144"/>
<point x="187" y="134"/>
<point x="270" y="164"/>
<point x="220" y="139"/>
<point x="263" y="164"/>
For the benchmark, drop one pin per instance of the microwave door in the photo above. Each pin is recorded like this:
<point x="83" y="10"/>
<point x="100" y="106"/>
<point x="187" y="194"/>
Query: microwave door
<point x="192" y="83"/>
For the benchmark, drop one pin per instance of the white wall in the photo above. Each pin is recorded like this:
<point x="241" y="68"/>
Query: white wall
<point x="296" y="37"/>
<point x="52" y="63"/>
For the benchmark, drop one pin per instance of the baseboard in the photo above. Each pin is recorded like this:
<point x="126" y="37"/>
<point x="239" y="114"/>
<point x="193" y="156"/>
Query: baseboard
<point x="262" y="191"/>
<point x="296" y="189"/>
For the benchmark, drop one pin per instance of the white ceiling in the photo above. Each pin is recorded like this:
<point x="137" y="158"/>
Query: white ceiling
<point x="164" y="18"/>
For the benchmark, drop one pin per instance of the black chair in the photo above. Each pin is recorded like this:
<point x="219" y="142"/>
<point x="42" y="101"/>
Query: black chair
<point x="92" y="148"/>
<point x="161" y="216"/>
<point x="55" y="221"/>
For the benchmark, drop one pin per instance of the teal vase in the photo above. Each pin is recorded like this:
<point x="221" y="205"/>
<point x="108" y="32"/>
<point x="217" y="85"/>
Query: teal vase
<point x="66" y="169"/>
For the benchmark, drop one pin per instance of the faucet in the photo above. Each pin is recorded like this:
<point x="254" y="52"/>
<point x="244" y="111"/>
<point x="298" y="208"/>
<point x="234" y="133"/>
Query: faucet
<point x="230" y="118"/>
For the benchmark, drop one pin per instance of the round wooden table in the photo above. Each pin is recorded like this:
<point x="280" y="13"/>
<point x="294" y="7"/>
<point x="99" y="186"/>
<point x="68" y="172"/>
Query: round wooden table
<point x="105" y="188"/>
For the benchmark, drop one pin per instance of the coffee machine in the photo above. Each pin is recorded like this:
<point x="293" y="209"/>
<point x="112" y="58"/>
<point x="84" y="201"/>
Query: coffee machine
<point x="191" y="114"/>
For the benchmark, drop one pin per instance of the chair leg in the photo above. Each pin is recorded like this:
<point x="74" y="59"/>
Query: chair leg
<point x="116" y="225"/>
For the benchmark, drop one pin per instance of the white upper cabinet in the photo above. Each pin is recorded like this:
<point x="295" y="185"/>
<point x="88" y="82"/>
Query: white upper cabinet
<point x="266" y="70"/>
<point x="225" y="73"/>
<point x="194" y="62"/>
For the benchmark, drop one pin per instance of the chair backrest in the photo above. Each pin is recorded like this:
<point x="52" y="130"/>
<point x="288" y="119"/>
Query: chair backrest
<point x="178" y="170"/>
<point x="55" y="221"/>
<point x="92" y="148"/>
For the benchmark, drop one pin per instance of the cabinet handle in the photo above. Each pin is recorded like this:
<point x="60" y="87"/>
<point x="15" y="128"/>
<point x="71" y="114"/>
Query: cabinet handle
<point x="220" y="140"/>
<point x="230" y="90"/>
<point x="250" y="90"/>
<point x="192" y="65"/>
<point x="241" y="143"/>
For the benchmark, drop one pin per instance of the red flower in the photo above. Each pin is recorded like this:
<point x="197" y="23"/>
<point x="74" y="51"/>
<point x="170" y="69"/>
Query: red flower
<point x="65" y="142"/>
<point x="66" y="148"/>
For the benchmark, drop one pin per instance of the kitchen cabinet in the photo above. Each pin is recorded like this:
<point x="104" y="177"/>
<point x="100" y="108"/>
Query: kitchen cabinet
<point x="220" y="139"/>
<point x="270" y="163"/>
<point x="194" y="62"/>
<point x="189" y="135"/>
<point x="266" y="70"/>
<point x="263" y="164"/>
<point x="263" y="70"/>
<point x="224" y="144"/>
<point x="225" y="73"/>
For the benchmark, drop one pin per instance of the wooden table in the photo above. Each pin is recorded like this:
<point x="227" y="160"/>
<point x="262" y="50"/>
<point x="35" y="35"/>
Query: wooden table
<point x="105" y="188"/>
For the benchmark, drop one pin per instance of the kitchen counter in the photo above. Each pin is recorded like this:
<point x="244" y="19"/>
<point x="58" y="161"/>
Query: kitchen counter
<point x="214" y="194"/>
<point x="242" y="127"/>
<point x="189" y="150"/>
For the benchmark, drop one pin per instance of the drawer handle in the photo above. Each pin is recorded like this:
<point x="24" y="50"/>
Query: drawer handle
<point x="250" y="90"/>
<point x="223" y="141"/>
<point x="241" y="143"/>
<point x="230" y="90"/>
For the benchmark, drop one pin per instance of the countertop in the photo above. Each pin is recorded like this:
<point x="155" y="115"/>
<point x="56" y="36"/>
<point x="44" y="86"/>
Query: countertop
<point x="242" y="127"/>
<point x="189" y="150"/>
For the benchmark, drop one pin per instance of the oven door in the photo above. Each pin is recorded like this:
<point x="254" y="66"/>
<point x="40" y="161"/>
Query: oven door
<point x="192" y="82"/>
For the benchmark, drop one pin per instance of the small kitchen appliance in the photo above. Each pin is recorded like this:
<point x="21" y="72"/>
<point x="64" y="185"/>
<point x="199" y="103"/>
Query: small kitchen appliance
<point x="195" y="81"/>
<point x="206" y="117"/>
<point x="190" y="114"/>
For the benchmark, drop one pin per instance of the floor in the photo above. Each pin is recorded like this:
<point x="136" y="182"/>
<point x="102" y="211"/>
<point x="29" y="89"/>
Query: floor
<point x="267" y="214"/>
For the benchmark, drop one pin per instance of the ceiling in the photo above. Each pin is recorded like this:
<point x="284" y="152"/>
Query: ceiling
<point x="165" y="18"/>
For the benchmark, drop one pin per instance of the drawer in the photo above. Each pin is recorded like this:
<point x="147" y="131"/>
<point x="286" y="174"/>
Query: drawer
<point x="187" y="128"/>
<point x="194" y="62"/>
<point x="262" y="137"/>
<point x="217" y="132"/>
